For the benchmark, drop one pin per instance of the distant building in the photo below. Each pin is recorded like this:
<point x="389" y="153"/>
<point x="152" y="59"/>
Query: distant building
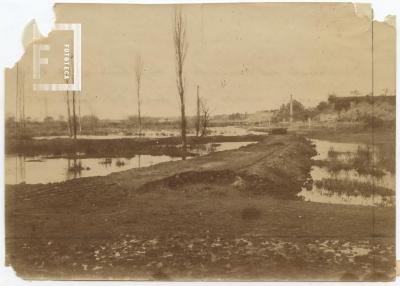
<point x="327" y="117"/>
<point x="260" y="117"/>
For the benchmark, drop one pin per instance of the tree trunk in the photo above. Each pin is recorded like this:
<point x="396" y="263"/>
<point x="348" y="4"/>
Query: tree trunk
<point x="46" y="114"/>
<point x="73" y="114"/>
<point x="139" y="116"/>
<point x="69" y="115"/>
<point x="198" y="113"/>
<point x="16" y="107"/>
<point x="183" y="125"/>
<point x="204" y="130"/>
<point x="183" y="116"/>
<point x="180" y="53"/>
<point x="23" y="103"/>
<point x="79" y="114"/>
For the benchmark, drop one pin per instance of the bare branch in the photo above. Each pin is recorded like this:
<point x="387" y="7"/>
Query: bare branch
<point x="138" y="68"/>
<point x="205" y="116"/>
<point x="138" y="74"/>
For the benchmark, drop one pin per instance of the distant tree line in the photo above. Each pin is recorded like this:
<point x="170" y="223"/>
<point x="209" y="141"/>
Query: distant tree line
<point x="300" y="113"/>
<point x="370" y="111"/>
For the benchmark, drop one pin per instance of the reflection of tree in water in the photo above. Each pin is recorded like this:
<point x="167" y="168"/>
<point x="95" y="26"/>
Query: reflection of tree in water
<point x="106" y="162"/>
<point x="74" y="168"/>
<point x="20" y="169"/>
<point x="120" y="162"/>
<point x="203" y="149"/>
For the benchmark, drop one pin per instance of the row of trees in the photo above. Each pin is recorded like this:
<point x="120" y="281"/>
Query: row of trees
<point x="180" y="48"/>
<point x="300" y="113"/>
<point x="334" y="103"/>
<point x="203" y="111"/>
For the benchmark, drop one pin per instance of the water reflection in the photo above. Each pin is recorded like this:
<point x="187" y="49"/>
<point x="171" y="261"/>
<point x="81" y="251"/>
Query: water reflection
<point x="349" y="173"/>
<point x="204" y="149"/>
<point x="325" y="196"/>
<point x="41" y="169"/>
<point x="30" y="170"/>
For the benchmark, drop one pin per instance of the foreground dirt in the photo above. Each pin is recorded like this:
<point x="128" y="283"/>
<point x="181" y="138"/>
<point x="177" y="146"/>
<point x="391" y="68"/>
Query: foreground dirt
<point x="231" y="215"/>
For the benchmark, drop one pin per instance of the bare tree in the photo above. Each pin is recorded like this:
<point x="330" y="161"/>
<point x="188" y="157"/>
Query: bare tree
<point x="198" y="113"/>
<point x="74" y="121"/>
<point x="79" y="114"/>
<point x="205" y="117"/>
<point x="355" y="92"/>
<point x="67" y="81"/>
<point x="138" y="73"/>
<point x="69" y="114"/>
<point x="180" y="45"/>
<point x="20" y="101"/>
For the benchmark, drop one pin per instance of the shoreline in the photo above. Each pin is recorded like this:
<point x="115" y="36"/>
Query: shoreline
<point x="126" y="147"/>
<point x="378" y="136"/>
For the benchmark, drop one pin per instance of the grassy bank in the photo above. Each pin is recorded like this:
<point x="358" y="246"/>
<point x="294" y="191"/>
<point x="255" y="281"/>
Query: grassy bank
<point x="368" y="136"/>
<point x="223" y="216"/>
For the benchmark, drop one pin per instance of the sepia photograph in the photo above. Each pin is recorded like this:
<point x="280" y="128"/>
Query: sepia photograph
<point x="202" y="142"/>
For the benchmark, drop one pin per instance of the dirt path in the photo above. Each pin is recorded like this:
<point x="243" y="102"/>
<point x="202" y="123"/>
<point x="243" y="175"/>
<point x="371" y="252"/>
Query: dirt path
<point x="229" y="215"/>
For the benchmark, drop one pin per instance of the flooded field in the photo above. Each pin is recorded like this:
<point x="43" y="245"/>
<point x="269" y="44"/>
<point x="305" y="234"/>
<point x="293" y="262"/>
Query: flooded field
<point x="350" y="173"/>
<point x="225" y="131"/>
<point x="46" y="169"/>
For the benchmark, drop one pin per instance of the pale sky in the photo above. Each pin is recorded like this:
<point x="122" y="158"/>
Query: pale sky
<point x="245" y="57"/>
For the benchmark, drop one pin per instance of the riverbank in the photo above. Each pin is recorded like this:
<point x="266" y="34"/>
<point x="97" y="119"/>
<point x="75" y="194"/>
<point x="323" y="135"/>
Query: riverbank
<point x="228" y="215"/>
<point x="371" y="136"/>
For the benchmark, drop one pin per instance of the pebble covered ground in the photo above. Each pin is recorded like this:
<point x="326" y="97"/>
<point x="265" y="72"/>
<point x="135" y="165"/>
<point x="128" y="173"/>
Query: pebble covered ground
<point x="211" y="257"/>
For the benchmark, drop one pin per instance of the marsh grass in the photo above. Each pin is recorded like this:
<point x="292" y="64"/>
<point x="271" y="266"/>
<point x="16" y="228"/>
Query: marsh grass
<point x="332" y="153"/>
<point x="362" y="161"/>
<point x="352" y="187"/>
<point x="386" y="156"/>
<point x="334" y="165"/>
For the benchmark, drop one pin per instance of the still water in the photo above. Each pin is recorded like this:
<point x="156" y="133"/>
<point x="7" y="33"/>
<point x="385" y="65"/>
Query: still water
<point x="225" y="131"/>
<point x="41" y="169"/>
<point x="346" y="152"/>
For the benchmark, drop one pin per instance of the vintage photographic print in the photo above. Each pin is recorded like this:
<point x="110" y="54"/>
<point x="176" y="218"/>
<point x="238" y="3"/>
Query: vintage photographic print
<point x="203" y="142"/>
